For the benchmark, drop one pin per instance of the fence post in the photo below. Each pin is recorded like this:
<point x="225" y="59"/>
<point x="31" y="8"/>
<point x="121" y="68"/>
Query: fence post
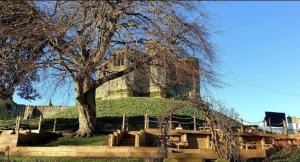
<point x="145" y="122"/>
<point x="264" y="126"/>
<point x="127" y="123"/>
<point x="123" y="123"/>
<point x="148" y="122"/>
<point x="242" y="125"/>
<point x="170" y="123"/>
<point x="285" y="131"/>
<point x="54" y="125"/>
<point x="270" y="126"/>
<point x="195" y="126"/>
<point x="40" y="124"/>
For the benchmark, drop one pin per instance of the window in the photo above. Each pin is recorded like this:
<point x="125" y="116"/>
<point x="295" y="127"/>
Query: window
<point x="118" y="61"/>
<point x="115" y="61"/>
<point x="121" y="59"/>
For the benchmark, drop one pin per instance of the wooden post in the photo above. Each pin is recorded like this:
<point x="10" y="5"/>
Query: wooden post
<point x="195" y="124"/>
<point x="18" y="122"/>
<point x="126" y="124"/>
<point x="111" y="140"/>
<point x="148" y="122"/>
<point x="270" y="126"/>
<point x="54" y="125"/>
<point x="40" y="124"/>
<point x="170" y="123"/>
<point x="285" y="132"/>
<point x="123" y="123"/>
<point x="145" y="122"/>
<point x="208" y="141"/>
<point x="263" y="142"/>
<point x="242" y="127"/>
<point x="264" y="126"/>
<point x="137" y="140"/>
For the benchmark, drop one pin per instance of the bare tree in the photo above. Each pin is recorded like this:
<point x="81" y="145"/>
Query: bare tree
<point x="222" y="122"/>
<point x="18" y="69"/>
<point x="20" y="56"/>
<point x="83" y="35"/>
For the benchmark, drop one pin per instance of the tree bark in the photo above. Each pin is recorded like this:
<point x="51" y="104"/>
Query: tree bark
<point x="86" y="106"/>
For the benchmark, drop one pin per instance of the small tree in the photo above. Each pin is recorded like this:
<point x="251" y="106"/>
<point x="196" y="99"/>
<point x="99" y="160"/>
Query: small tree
<point x="82" y="36"/>
<point x="222" y="122"/>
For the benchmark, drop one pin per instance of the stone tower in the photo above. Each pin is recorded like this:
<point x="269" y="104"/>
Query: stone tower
<point x="160" y="79"/>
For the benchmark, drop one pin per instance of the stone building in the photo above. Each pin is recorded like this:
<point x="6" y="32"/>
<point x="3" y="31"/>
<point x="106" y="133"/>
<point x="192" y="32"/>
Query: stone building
<point x="162" y="79"/>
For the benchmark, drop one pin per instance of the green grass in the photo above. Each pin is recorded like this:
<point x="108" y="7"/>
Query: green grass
<point x="66" y="159"/>
<point x="111" y="111"/>
<point x="134" y="106"/>
<point x="33" y="123"/>
<point x="94" y="141"/>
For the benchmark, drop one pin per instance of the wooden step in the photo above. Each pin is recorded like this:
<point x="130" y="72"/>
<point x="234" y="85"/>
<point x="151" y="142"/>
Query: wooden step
<point x="127" y="140"/>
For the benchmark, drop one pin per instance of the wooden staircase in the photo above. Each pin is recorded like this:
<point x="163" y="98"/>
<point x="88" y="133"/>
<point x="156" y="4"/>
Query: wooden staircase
<point x="130" y="138"/>
<point x="127" y="140"/>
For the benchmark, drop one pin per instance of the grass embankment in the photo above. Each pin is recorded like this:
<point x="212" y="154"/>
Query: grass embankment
<point x="109" y="112"/>
<point x="112" y="111"/>
<point x="133" y="106"/>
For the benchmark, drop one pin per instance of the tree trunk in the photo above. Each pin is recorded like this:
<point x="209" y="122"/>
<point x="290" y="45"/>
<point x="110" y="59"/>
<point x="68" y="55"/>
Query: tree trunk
<point x="86" y="106"/>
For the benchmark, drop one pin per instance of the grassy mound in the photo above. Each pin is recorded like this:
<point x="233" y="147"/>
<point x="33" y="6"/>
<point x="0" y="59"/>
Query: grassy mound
<point x="111" y="111"/>
<point x="134" y="106"/>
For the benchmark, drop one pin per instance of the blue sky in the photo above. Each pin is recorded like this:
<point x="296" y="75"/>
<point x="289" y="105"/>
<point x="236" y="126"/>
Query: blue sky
<point x="258" y="45"/>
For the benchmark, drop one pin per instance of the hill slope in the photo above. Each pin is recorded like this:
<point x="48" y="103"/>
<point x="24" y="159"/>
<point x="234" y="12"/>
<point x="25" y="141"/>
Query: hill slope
<point x="134" y="106"/>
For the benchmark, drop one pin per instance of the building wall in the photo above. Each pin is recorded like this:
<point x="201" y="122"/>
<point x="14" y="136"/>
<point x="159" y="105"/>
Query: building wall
<point x="10" y="110"/>
<point x="161" y="80"/>
<point x="44" y="111"/>
<point x="117" y="88"/>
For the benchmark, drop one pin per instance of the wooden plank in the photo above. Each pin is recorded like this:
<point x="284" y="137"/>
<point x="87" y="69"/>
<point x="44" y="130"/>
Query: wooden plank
<point x="140" y="152"/>
<point x="86" y="151"/>
<point x="250" y="153"/>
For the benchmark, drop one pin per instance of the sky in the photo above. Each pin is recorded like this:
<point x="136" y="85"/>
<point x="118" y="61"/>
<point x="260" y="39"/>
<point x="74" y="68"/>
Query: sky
<point x="258" y="46"/>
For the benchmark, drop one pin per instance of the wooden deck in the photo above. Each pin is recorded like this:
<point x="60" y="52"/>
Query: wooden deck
<point x="198" y="145"/>
<point x="122" y="152"/>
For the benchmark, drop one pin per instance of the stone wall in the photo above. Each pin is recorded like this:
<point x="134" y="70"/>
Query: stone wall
<point x="161" y="80"/>
<point x="10" y="110"/>
<point x="117" y="88"/>
<point x="45" y="111"/>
